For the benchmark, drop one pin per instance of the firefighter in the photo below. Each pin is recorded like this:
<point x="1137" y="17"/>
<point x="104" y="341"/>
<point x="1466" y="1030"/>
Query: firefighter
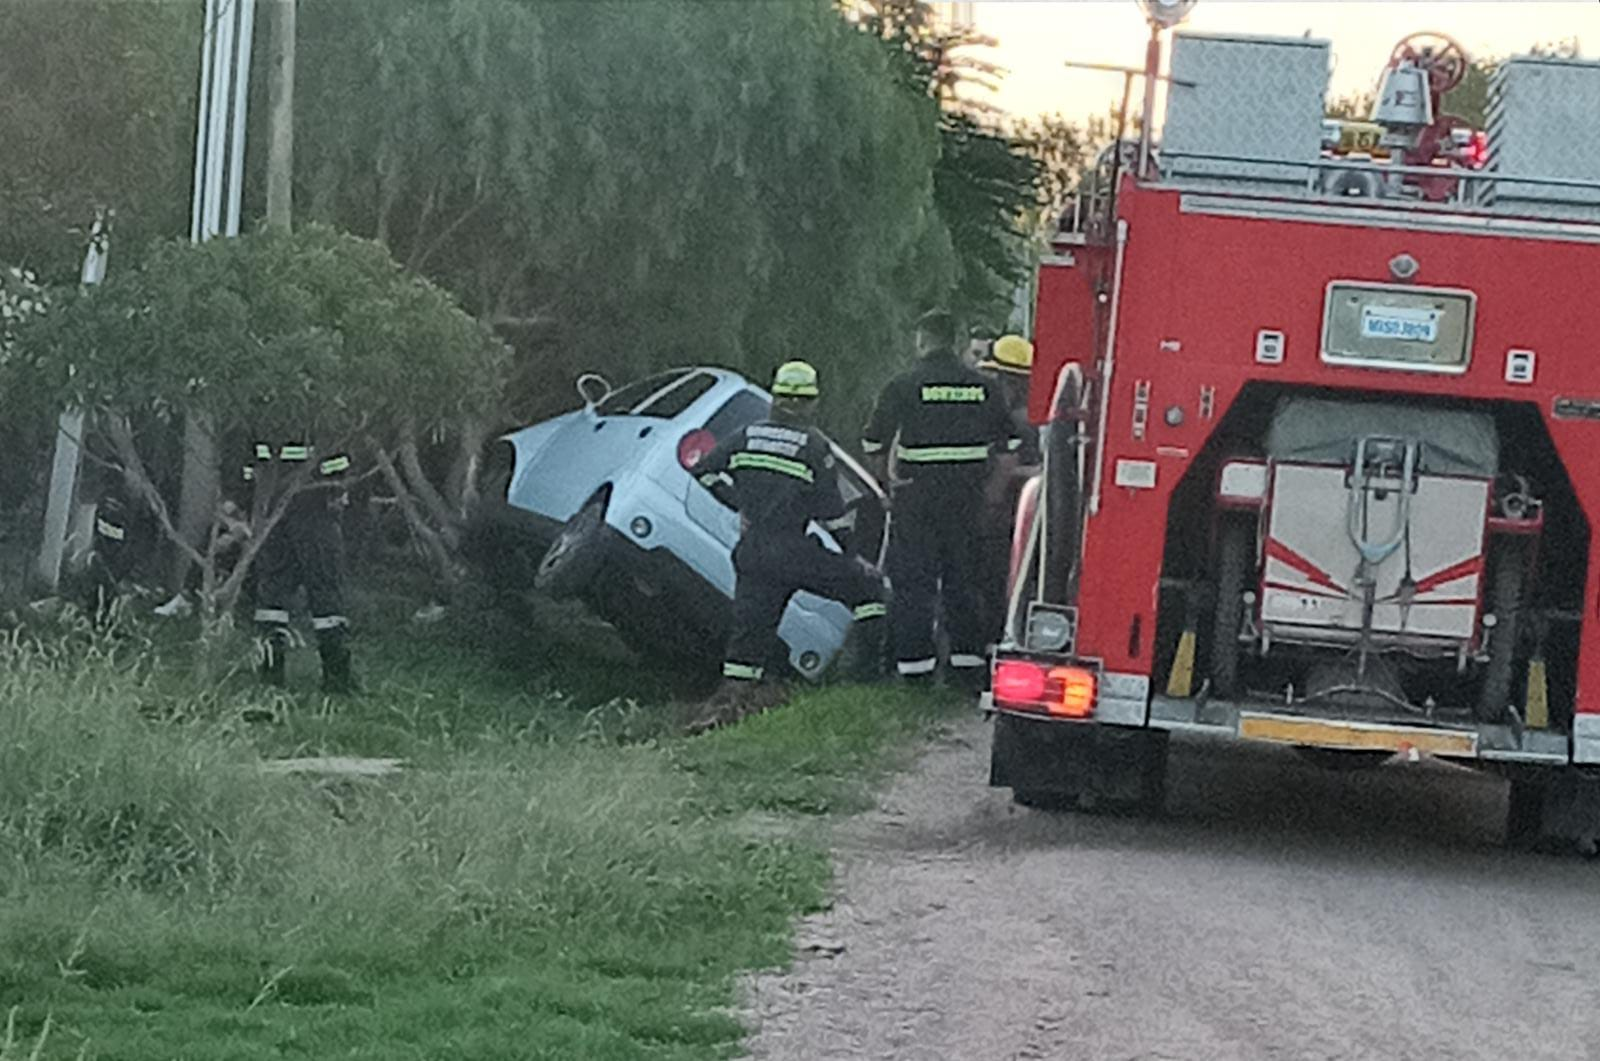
<point x="118" y="536"/>
<point x="780" y="475"/>
<point x="1009" y="363"/>
<point x="305" y="550"/>
<point x="946" y="427"/>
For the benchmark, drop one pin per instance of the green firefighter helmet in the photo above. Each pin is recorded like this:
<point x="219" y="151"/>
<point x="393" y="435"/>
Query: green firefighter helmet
<point x="794" y="379"/>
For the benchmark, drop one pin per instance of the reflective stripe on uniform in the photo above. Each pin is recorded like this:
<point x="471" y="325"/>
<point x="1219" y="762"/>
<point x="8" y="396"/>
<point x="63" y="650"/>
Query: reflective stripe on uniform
<point x="334" y="465"/>
<point x="109" y="530"/>
<point x="249" y="473"/>
<point x="942" y="454"/>
<point x="871" y="610"/>
<point x="941" y="392"/>
<point x="742" y="672"/>
<point x="1013" y="444"/>
<point x="294" y="453"/>
<point x="328" y="622"/>
<point x="910" y="668"/>
<point x="263" y="451"/>
<point x="869" y="446"/>
<point x="966" y="661"/>
<point x="272" y="615"/>
<point x="768" y="463"/>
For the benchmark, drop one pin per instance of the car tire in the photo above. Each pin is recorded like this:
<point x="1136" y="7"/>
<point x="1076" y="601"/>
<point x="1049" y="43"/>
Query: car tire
<point x="570" y="565"/>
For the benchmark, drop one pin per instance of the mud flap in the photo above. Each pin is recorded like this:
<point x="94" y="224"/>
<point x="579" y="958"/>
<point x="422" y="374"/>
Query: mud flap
<point x="1086" y="764"/>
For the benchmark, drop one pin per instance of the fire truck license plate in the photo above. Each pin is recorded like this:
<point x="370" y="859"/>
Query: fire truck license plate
<point x="1398" y="322"/>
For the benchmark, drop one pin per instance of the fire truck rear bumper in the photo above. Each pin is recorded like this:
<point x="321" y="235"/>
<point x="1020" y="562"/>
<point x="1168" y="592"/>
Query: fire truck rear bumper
<point x="1269" y="722"/>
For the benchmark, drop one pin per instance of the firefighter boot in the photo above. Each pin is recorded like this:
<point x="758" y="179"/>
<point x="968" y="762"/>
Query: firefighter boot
<point x="273" y="646"/>
<point x="862" y="658"/>
<point x="338" y="679"/>
<point x="735" y="701"/>
<point x="721" y="708"/>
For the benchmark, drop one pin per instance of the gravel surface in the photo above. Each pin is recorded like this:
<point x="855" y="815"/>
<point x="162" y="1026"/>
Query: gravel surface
<point x="1276" y="911"/>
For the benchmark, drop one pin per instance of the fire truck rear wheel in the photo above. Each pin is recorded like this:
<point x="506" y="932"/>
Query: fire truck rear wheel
<point x="1235" y="552"/>
<point x="1505" y="603"/>
<point x="1525" y="802"/>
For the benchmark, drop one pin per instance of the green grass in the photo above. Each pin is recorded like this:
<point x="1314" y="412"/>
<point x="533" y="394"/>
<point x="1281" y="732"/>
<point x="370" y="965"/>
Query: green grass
<point x="558" y="875"/>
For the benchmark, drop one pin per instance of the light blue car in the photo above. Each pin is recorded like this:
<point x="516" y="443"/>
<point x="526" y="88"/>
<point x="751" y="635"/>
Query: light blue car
<point x="606" y="493"/>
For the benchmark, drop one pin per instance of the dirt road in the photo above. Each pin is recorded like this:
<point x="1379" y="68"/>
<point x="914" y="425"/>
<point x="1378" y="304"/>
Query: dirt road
<point x="1278" y="911"/>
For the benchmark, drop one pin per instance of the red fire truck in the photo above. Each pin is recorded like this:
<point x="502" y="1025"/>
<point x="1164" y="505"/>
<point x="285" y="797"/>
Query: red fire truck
<point x="1322" y="415"/>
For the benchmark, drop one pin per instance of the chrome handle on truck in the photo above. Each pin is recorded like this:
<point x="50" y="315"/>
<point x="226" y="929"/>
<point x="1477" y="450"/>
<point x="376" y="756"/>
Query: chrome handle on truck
<point x="1358" y="501"/>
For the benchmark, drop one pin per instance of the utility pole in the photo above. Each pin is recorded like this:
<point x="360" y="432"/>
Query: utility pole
<point x="280" y="114"/>
<point x="68" y="459"/>
<point x="220" y="129"/>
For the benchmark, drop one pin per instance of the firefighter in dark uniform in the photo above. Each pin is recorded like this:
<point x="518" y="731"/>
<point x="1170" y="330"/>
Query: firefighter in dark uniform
<point x="1009" y="362"/>
<point x="305" y="550"/>
<point x="780" y="474"/>
<point x="947" y="429"/>
<point x="119" y="533"/>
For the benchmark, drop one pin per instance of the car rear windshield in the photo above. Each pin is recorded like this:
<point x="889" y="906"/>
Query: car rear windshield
<point x="626" y="400"/>
<point x="676" y="398"/>
<point x="741" y="410"/>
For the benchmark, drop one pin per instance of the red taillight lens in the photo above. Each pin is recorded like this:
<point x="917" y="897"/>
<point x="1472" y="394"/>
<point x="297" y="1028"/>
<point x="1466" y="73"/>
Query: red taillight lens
<point x="1018" y="682"/>
<point x="693" y="447"/>
<point x="1065" y="692"/>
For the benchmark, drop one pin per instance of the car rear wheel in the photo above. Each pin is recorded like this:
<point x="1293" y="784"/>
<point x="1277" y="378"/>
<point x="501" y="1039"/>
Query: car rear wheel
<point x="575" y="557"/>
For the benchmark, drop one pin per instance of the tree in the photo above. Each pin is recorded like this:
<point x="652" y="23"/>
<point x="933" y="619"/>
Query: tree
<point x="271" y="335"/>
<point x="623" y="186"/>
<point x="22" y="300"/>
<point x="99" y="112"/>
<point x="987" y="182"/>
<point x="1063" y="150"/>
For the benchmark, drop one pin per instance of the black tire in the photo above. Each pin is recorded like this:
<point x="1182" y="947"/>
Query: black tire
<point x="1131" y="773"/>
<point x="1235" y="564"/>
<point x="570" y="565"/>
<point x="1525" y="813"/>
<point x="1505" y="603"/>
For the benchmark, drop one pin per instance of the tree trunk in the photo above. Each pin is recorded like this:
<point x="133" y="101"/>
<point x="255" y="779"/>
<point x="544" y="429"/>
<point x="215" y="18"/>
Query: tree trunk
<point x="441" y="552"/>
<point x="198" y="497"/>
<point x="446" y="521"/>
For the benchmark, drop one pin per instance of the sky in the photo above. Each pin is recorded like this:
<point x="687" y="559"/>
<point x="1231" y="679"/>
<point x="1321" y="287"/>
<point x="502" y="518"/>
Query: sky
<point x="1037" y="36"/>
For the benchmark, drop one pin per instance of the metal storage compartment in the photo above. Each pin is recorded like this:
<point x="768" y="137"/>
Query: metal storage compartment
<point x="1256" y="99"/>
<point x="1541" y="112"/>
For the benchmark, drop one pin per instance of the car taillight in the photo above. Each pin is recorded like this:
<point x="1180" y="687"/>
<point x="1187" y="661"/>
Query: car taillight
<point x="1065" y="692"/>
<point x="694" y="446"/>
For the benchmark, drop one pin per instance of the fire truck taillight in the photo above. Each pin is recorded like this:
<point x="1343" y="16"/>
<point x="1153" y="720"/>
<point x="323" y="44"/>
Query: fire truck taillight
<point x="1064" y="692"/>
<point x="1077" y="692"/>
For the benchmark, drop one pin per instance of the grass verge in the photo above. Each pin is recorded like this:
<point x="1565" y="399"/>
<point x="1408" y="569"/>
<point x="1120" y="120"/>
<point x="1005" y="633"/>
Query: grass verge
<point x="557" y="875"/>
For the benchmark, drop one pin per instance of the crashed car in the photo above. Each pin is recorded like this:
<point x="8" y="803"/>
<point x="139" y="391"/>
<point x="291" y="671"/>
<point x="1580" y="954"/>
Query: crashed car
<point x="604" y="497"/>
